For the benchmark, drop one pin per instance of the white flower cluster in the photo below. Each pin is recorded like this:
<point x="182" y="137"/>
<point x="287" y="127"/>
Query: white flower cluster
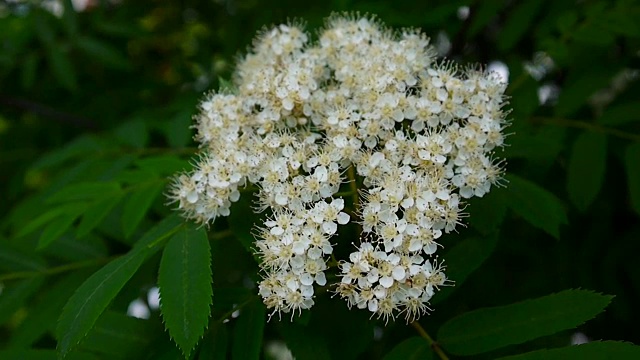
<point x="362" y="107"/>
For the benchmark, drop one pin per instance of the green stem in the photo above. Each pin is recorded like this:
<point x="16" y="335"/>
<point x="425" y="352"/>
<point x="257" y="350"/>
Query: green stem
<point x="586" y="126"/>
<point x="56" y="270"/>
<point x="434" y="345"/>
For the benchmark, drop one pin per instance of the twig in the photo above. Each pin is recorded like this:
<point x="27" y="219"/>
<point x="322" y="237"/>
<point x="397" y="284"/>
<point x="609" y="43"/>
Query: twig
<point x="434" y="345"/>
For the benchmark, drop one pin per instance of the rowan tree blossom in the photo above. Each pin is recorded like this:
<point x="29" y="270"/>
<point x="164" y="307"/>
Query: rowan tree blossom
<point x="365" y="108"/>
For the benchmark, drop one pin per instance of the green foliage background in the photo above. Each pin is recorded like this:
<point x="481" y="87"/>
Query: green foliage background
<point x="95" y="108"/>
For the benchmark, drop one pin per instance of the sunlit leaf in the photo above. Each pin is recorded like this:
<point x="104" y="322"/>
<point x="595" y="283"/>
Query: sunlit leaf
<point x="488" y="329"/>
<point x="184" y="280"/>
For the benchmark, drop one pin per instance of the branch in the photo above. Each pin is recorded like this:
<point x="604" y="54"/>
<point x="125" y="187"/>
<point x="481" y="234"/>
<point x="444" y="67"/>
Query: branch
<point x="48" y="112"/>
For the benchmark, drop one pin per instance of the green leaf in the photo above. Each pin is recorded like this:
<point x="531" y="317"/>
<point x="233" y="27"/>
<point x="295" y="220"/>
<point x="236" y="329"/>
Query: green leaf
<point x="81" y="146"/>
<point x="137" y="205"/>
<point x="42" y="316"/>
<point x="15" y="260"/>
<point x="487" y="213"/>
<point x="133" y="133"/>
<point x="488" y="329"/>
<point x="102" y="52"/>
<point x="463" y="259"/>
<point x="85" y="191"/>
<point x="163" y="165"/>
<point x="62" y="68"/>
<point x="41" y="354"/>
<point x="55" y="229"/>
<point x="632" y="159"/>
<point x="518" y="22"/>
<point x="241" y="222"/>
<point x="487" y="11"/>
<point x="536" y="205"/>
<point x="579" y="87"/>
<point x="304" y="343"/>
<point x="215" y="343"/>
<point x="29" y="70"/>
<point x="91" y="299"/>
<point x="621" y="114"/>
<point x="586" y="169"/>
<point x="248" y="332"/>
<point x="415" y="348"/>
<point x="598" y="350"/>
<point x="119" y="336"/>
<point x="184" y="279"/>
<point x="13" y="296"/>
<point x="177" y="130"/>
<point x="96" y="213"/>
<point x="154" y="236"/>
<point x="48" y="216"/>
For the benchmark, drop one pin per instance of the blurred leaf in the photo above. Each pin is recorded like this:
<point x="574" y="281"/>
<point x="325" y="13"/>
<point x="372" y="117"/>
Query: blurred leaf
<point x="464" y="258"/>
<point x="184" y="279"/>
<point x="177" y="130"/>
<point x="102" y="52"/>
<point x="488" y="212"/>
<point x="91" y="299"/>
<point x="64" y="210"/>
<point x="117" y="335"/>
<point x="248" y="332"/>
<point x="566" y="22"/>
<point x="41" y="354"/>
<point x="62" y="68"/>
<point x="56" y="228"/>
<point x="96" y="212"/>
<point x="486" y="11"/>
<point x="518" y="22"/>
<point x="579" y="87"/>
<point x="133" y="133"/>
<point x="44" y="313"/>
<point x="586" y="169"/>
<point x="13" y="296"/>
<point x="29" y="70"/>
<point x="303" y="343"/>
<point x="69" y="18"/>
<point x="488" y="329"/>
<point x="15" y="260"/>
<point x="241" y="222"/>
<point x="79" y="147"/>
<point x="215" y="343"/>
<point x="163" y="164"/>
<point x="71" y="249"/>
<point x="632" y="161"/>
<point x="597" y="350"/>
<point x="536" y="205"/>
<point x="620" y="114"/>
<point x="161" y="231"/>
<point x="415" y="348"/>
<point x="85" y="191"/>
<point x="137" y="205"/>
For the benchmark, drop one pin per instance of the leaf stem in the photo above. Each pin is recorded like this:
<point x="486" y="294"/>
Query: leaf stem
<point x="56" y="270"/>
<point x="434" y="345"/>
<point x="585" y="125"/>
